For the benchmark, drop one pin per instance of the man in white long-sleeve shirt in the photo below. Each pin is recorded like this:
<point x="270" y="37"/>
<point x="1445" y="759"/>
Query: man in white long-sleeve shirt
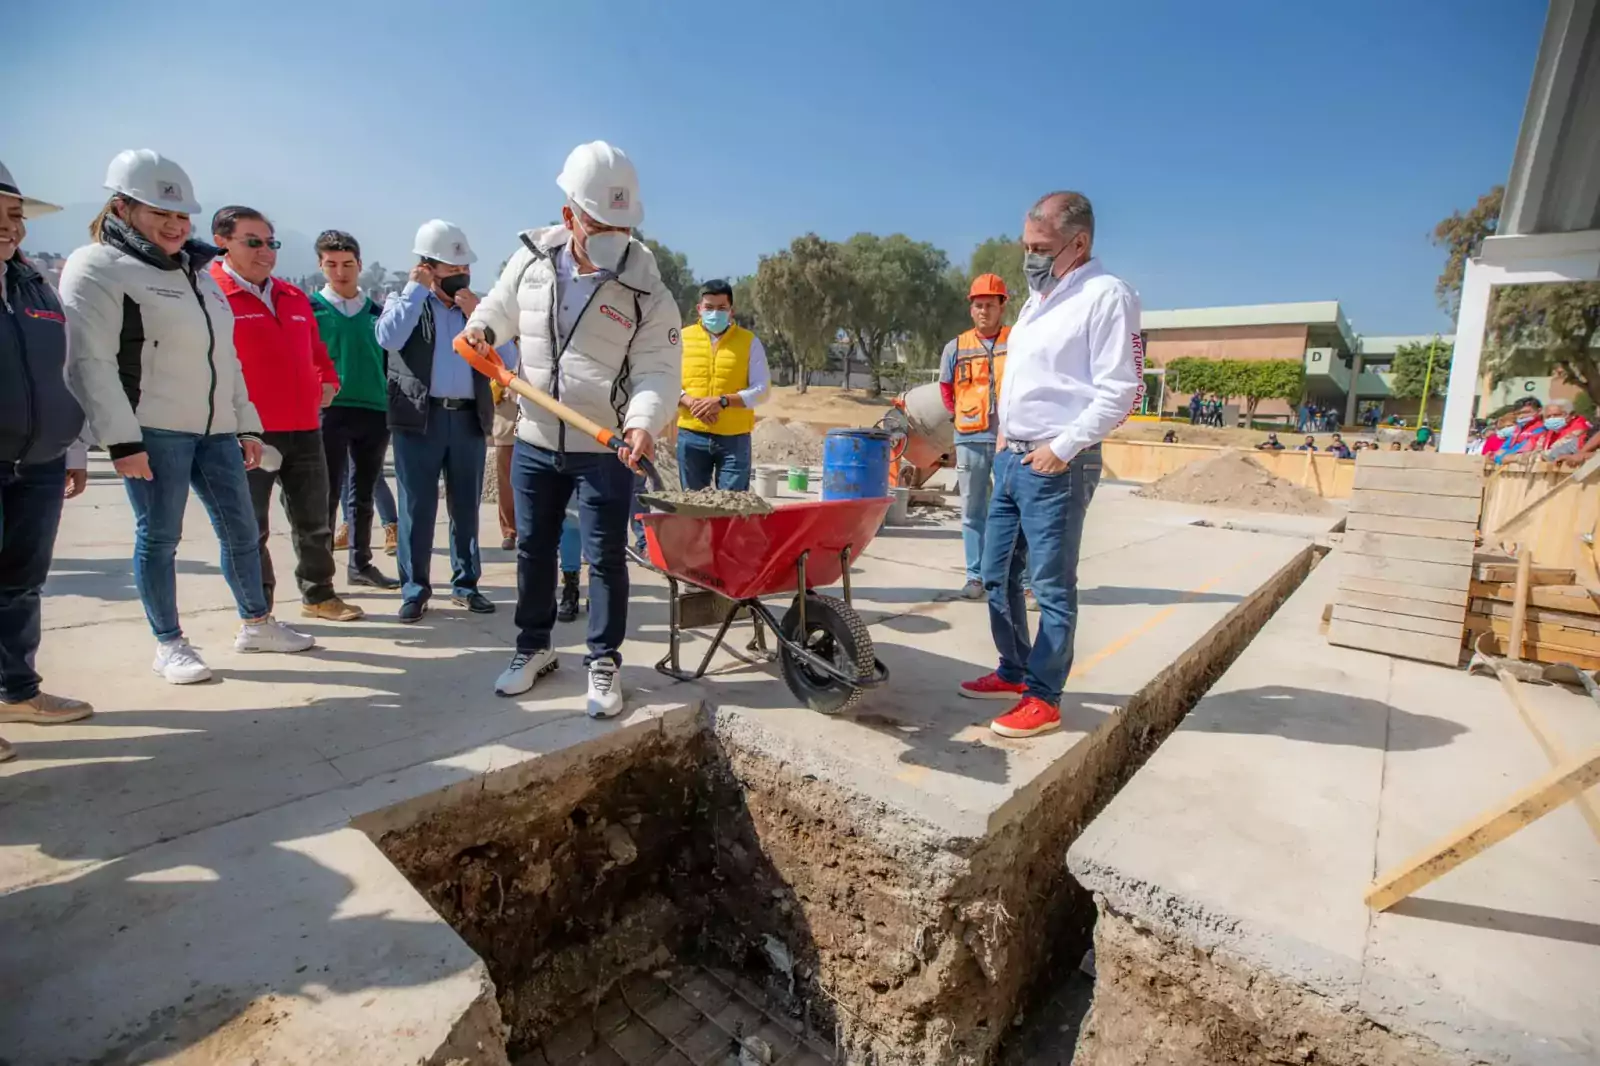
<point x="1074" y="372"/>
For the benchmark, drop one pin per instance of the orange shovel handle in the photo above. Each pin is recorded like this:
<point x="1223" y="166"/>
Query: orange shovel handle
<point x="491" y="367"/>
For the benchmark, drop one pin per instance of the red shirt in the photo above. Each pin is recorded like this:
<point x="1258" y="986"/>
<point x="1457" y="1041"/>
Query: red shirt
<point x="284" y="359"/>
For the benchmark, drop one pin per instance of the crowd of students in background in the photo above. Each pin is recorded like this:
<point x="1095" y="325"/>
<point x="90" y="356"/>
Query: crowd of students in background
<point x="1534" y="431"/>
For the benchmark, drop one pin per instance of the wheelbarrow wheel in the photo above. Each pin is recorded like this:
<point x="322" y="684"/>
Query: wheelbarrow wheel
<point x="835" y="633"/>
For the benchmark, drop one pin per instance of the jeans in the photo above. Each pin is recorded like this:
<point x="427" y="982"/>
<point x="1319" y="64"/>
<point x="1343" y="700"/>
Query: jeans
<point x="355" y="440"/>
<point x="544" y="481"/>
<point x="30" y="512"/>
<point x="639" y="485"/>
<point x="1045" y="513"/>
<point x="571" y="544"/>
<point x="214" y="466"/>
<point x="304" y="477"/>
<point x="714" y="460"/>
<point x="974" y="474"/>
<point x="382" y="498"/>
<point x="452" y="445"/>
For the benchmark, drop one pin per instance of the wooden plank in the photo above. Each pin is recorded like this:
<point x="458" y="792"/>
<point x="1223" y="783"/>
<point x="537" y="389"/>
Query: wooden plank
<point x="1519" y="598"/>
<point x="1450" y="612"/>
<point x="1538" y="653"/>
<point x="1411" y="623"/>
<point x="1505" y="573"/>
<point x="1573" y="599"/>
<point x="1565" y="619"/>
<point x="1411" y="527"/>
<point x="1425" y="482"/>
<point x="1412" y="505"/>
<point x="1350" y="583"/>
<point x="1423" y="549"/>
<point x="1583" y="641"/>
<point x="1438" y="575"/>
<point x="1425" y="646"/>
<point x="1562" y="783"/>
<point x="1407" y="460"/>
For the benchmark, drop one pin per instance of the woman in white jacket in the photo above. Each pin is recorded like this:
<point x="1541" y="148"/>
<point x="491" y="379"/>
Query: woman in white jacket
<point x="151" y="360"/>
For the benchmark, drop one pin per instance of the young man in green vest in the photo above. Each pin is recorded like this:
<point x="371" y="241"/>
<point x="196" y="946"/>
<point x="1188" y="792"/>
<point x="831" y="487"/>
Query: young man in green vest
<point x="724" y="376"/>
<point x="355" y="430"/>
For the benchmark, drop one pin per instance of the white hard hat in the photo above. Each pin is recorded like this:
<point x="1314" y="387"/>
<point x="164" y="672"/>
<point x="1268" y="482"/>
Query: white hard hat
<point x="153" y="179"/>
<point x="31" y="208"/>
<point x="601" y="180"/>
<point x="444" y="241"/>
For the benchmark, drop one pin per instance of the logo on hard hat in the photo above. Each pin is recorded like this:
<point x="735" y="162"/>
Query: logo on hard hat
<point x="459" y="248"/>
<point x="619" y="198"/>
<point x="168" y="190"/>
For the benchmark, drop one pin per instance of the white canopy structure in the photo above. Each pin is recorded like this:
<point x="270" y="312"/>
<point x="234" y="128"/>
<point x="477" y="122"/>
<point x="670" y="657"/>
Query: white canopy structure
<point x="1549" y="229"/>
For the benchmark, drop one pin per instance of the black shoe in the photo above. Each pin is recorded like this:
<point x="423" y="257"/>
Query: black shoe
<point x="567" y="607"/>
<point x="372" y="577"/>
<point x="476" y="602"/>
<point x="412" y="610"/>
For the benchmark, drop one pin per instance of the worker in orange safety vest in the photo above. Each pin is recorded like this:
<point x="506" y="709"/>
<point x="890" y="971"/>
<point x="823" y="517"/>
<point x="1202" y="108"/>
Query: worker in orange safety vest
<point x="970" y="372"/>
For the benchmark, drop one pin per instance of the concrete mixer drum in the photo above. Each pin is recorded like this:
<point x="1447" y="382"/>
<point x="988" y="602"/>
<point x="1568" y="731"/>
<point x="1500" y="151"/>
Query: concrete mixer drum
<point x="921" y="434"/>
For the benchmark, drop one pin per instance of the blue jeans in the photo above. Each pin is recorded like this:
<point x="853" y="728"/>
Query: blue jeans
<point x="714" y="460"/>
<point x="974" y="475"/>
<point x="452" y="445"/>
<point x="639" y="485"/>
<point x="30" y="512"/>
<point x="571" y="544"/>
<point x="214" y="466"/>
<point x="544" y="481"/>
<point x="382" y="498"/>
<point x="1045" y="514"/>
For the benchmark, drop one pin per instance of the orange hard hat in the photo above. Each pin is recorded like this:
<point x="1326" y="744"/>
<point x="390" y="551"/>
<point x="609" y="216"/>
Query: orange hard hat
<point x="988" y="285"/>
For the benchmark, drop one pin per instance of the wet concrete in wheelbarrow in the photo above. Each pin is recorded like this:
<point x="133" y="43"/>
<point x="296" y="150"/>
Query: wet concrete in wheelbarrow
<point x="708" y="503"/>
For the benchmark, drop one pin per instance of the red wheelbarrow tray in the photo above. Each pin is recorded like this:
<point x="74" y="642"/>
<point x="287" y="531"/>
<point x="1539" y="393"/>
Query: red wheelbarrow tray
<point x="748" y="556"/>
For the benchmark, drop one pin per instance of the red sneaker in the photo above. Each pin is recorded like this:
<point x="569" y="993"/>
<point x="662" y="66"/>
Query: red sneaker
<point x="1028" y="718"/>
<point x="990" y="687"/>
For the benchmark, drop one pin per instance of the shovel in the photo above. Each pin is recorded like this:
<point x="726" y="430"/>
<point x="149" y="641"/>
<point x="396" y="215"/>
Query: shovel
<point x="488" y="363"/>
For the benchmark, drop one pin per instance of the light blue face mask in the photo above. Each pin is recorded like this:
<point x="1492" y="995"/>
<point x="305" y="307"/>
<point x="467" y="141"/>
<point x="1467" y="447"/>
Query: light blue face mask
<point x="714" y="321"/>
<point x="1555" y="423"/>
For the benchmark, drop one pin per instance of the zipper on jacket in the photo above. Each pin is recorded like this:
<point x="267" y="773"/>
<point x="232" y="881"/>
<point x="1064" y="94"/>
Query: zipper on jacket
<point x="555" y="368"/>
<point x="31" y="436"/>
<point x="211" y="351"/>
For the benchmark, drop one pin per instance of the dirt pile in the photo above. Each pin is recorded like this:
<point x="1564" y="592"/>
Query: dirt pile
<point x="777" y="443"/>
<point x="1233" y="480"/>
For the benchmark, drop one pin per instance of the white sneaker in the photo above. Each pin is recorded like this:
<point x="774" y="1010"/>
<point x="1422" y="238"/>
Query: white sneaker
<point x="605" y="690"/>
<point x="271" y="635"/>
<point x="526" y="668"/>
<point x="179" y="663"/>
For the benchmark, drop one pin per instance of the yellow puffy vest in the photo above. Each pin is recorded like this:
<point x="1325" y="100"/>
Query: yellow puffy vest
<point x="719" y="372"/>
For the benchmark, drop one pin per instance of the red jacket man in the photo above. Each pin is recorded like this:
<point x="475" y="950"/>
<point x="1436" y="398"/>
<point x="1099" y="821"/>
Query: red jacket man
<point x="290" y="379"/>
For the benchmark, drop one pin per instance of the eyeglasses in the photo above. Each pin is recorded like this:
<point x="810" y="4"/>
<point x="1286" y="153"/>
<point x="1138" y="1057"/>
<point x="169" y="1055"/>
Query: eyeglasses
<point x="257" y="242"/>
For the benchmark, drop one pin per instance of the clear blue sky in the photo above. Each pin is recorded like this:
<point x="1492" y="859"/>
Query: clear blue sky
<point x="1236" y="152"/>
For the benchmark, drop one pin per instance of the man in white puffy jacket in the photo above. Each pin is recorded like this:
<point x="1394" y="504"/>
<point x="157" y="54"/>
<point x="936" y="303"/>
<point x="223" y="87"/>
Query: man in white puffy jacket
<point x="598" y="330"/>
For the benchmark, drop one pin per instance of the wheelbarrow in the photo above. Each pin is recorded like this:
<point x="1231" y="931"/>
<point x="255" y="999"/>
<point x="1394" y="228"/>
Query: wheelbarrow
<point x="824" y="650"/>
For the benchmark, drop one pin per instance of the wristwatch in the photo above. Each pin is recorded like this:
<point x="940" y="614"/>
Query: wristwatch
<point x="723" y="400"/>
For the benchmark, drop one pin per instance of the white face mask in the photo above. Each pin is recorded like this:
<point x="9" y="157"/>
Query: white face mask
<point x="605" y="250"/>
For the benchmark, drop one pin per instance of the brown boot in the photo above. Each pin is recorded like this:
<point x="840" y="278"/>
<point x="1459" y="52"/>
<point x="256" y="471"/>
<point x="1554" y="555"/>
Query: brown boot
<point x="332" y="610"/>
<point x="391" y="538"/>
<point x="45" y="709"/>
<point x="341" y="539"/>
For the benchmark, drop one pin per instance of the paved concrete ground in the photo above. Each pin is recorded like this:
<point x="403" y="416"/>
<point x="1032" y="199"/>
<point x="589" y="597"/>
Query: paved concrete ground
<point x="180" y="879"/>
<point x="1256" y="827"/>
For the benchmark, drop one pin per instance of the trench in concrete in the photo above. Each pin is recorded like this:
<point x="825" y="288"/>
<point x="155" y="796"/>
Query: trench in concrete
<point x="669" y="894"/>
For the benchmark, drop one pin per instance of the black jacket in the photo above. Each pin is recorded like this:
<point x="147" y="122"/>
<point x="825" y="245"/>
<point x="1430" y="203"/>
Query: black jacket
<point x="410" y="374"/>
<point x="39" y="418"/>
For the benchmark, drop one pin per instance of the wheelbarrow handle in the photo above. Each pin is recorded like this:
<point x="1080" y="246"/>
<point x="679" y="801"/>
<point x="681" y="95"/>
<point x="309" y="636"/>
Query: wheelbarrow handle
<point x="491" y="367"/>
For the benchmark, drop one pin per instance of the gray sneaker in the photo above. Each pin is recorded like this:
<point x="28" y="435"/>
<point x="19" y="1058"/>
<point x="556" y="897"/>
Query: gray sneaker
<point x="269" y="634"/>
<point x="973" y="590"/>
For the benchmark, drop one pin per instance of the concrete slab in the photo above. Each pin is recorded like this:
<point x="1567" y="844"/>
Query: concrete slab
<point x="1255" y="828"/>
<point x="179" y="876"/>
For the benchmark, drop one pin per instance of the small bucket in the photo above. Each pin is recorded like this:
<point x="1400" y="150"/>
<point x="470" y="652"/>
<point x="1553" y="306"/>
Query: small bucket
<point x="767" y="480"/>
<point x="799" y="479"/>
<point x="899" y="512"/>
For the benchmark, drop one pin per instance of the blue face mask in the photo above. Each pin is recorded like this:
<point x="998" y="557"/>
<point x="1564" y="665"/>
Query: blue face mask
<point x="1554" y="423"/>
<point x="714" y="321"/>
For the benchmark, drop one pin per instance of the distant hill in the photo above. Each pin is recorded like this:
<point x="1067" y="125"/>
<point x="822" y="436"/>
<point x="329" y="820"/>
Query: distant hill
<point x="68" y="228"/>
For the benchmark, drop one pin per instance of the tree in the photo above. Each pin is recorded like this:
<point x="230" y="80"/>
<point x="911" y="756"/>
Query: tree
<point x="1251" y="380"/>
<point x="798" y="293"/>
<point x="1533" y="330"/>
<point x="894" y="285"/>
<point x="1411" y="370"/>
<point x="1003" y="256"/>
<point x="676" y="276"/>
<point x="746" y="312"/>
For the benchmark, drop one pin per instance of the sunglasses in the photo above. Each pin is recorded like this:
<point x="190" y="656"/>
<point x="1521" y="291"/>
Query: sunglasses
<point x="257" y="242"/>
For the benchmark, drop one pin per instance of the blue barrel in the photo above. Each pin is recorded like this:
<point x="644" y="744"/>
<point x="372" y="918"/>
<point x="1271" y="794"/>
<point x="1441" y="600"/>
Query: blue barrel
<point x="855" y="464"/>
